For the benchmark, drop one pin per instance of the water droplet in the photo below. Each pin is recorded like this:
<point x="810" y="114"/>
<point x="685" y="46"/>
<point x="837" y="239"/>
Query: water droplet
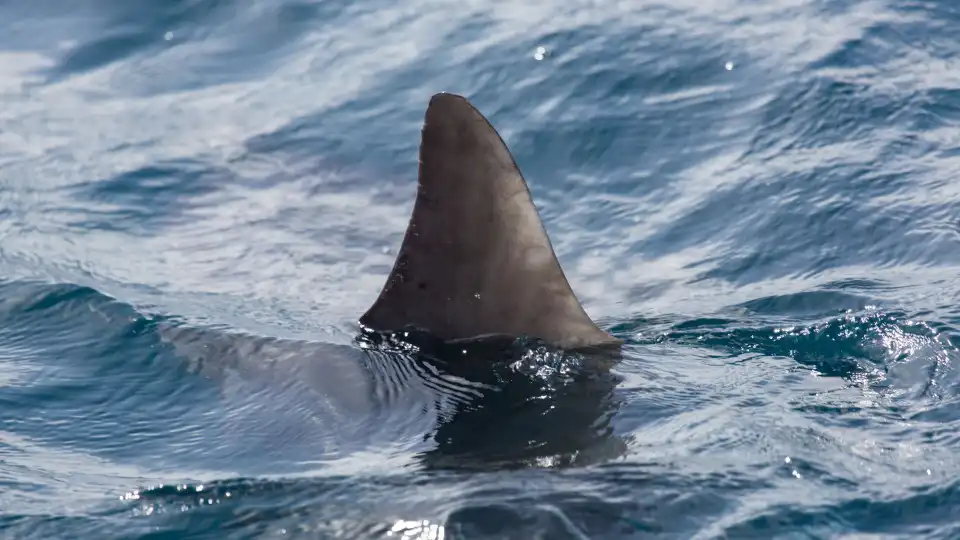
<point x="168" y="36"/>
<point x="540" y="53"/>
<point x="728" y="66"/>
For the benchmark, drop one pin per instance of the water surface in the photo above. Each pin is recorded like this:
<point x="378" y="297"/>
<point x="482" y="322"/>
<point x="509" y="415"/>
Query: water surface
<point x="759" y="197"/>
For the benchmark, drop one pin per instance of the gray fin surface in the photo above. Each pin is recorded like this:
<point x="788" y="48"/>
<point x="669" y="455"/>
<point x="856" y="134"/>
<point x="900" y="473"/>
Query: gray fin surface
<point x="476" y="260"/>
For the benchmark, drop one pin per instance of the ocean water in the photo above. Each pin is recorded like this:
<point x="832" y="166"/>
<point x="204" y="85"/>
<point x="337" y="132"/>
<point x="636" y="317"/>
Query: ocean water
<point x="198" y="198"/>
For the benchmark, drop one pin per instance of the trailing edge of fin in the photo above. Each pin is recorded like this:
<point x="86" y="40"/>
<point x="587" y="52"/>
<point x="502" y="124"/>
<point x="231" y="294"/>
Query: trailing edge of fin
<point x="476" y="260"/>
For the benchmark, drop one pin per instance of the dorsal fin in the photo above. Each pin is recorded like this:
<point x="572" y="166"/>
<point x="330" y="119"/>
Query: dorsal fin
<point x="476" y="260"/>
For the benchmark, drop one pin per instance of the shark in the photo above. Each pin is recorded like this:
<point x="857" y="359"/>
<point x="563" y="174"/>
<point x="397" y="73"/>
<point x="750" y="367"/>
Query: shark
<point x="475" y="290"/>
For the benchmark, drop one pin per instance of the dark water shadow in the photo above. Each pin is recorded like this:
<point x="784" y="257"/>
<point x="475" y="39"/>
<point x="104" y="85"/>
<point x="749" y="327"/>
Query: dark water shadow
<point x="533" y="405"/>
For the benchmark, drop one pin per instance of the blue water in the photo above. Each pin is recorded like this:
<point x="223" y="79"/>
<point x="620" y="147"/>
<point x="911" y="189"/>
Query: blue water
<point x="198" y="198"/>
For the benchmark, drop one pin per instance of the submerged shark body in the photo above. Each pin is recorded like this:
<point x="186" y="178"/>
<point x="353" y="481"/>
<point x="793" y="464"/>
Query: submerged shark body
<point x="476" y="270"/>
<point x="291" y="406"/>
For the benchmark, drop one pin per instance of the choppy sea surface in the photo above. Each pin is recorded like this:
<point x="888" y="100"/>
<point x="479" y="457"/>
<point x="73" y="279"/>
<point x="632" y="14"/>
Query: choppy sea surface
<point x="198" y="198"/>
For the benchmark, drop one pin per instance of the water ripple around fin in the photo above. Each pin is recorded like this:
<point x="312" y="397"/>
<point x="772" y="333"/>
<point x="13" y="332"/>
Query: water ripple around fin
<point x="519" y="404"/>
